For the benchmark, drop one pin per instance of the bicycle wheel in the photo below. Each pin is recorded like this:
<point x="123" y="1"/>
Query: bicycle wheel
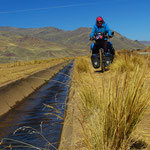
<point x="102" y="61"/>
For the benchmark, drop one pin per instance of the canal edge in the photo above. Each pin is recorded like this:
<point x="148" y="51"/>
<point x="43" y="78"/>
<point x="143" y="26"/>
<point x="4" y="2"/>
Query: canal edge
<point x="66" y="139"/>
<point x="18" y="90"/>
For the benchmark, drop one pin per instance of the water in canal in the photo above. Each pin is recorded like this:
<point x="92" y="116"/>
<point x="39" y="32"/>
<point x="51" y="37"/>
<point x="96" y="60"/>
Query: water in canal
<point x="36" y="123"/>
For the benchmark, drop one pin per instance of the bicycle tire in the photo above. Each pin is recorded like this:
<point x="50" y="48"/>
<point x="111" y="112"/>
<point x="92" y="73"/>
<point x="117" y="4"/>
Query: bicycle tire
<point x="102" y="61"/>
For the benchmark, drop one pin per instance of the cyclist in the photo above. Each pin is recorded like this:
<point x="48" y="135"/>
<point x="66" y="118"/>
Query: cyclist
<point x="101" y="41"/>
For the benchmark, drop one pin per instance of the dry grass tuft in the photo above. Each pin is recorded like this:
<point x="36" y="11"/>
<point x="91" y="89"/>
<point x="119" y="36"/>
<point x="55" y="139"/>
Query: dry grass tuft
<point x="112" y="110"/>
<point x="128" y="61"/>
<point x="82" y="65"/>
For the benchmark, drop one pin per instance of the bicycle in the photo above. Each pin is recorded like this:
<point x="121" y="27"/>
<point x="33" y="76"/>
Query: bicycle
<point x="101" y="59"/>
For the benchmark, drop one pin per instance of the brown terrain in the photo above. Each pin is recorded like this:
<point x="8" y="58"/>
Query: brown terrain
<point x="34" y="43"/>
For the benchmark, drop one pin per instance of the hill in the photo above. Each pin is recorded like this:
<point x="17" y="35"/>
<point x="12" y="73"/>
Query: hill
<point x="52" y="42"/>
<point x="145" y="42"/>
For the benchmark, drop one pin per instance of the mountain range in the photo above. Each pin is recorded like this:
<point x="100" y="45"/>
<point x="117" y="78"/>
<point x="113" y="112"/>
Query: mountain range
<point x="52" y="42"/>
<point x="145" y="42"/>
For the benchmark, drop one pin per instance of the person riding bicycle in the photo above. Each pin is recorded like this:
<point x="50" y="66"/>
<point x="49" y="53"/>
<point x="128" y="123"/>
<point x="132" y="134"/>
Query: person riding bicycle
<point x="101" y="41"/>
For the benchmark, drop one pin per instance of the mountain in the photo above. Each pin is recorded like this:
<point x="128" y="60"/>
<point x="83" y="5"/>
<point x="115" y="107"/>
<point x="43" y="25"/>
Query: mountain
<point x="145" y="42"/>
<point x="52" y="42"/>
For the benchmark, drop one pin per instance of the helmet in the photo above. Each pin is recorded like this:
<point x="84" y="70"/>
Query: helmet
<point x="99" y="21"/>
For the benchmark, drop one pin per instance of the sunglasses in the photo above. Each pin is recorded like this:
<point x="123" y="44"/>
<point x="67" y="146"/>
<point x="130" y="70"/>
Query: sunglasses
<point x="99" y="21"/>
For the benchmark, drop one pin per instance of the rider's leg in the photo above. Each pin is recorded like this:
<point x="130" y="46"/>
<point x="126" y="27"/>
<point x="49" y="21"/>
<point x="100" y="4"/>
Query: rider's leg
<point x="94" y="48"/>
<point x="101" y="44"/>
<point x="105" y="45"/>
<point x="113" y="51"/>
<point x="110" y="48"/>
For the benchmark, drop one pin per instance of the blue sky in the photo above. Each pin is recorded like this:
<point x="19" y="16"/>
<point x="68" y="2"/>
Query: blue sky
<point x="130" y="18"/>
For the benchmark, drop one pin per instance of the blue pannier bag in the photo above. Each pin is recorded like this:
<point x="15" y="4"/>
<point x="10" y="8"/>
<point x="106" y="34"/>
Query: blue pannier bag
<point x="108" y="58"/>
<point x="95" y="60"/>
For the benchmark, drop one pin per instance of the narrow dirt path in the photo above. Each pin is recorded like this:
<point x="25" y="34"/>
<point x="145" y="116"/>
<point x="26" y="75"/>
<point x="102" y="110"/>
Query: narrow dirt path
<point x="143" y="128"/>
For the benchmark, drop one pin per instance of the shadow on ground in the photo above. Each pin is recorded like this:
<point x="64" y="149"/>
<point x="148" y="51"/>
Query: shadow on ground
<point x="100" y="71"/>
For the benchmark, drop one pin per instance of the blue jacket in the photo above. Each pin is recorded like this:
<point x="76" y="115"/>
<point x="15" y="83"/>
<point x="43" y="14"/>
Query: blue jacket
<point x="104" y="28"/>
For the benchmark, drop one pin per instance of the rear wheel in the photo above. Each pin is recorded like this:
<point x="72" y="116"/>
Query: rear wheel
<point x="102" y="61"/>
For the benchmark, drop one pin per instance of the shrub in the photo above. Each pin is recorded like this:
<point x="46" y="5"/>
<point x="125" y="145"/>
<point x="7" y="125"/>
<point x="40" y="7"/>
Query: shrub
<point x="112" y="112"/>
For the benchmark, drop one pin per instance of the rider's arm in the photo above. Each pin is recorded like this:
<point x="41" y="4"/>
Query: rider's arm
<point x="93" y="32"/>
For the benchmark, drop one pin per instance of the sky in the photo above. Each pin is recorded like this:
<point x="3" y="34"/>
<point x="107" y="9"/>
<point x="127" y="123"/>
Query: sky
<point x="131" y="18"/>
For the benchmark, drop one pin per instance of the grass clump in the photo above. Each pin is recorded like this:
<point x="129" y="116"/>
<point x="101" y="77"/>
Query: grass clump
<point x="128" y="61"/>
<point x="82" y="65"/>
<point x="113" y="112"/>
<point x="113" y="103"/>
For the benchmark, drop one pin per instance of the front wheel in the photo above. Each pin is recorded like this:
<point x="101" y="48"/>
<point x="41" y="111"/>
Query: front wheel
<point x="102" y="61"/>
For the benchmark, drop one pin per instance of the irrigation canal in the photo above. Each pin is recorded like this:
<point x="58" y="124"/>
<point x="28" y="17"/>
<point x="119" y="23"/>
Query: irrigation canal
<point x="36" y="122"/>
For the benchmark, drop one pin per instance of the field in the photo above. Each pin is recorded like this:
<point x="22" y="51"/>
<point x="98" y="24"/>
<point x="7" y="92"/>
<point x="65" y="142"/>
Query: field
<point x="110" y="110"/>
<point x="13" y="71"/>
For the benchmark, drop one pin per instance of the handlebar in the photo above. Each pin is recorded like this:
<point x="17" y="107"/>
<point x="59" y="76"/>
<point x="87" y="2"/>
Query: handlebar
<point x="99" y="36"/>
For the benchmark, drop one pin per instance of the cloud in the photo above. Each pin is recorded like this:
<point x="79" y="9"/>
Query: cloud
<point x="45" y="8"/>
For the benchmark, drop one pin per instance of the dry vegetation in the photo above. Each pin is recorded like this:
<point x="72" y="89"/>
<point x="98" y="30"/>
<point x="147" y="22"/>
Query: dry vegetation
<point x="13" y="71"/>
<point x="147" y="49"/>
<point x="113" y="103"/>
